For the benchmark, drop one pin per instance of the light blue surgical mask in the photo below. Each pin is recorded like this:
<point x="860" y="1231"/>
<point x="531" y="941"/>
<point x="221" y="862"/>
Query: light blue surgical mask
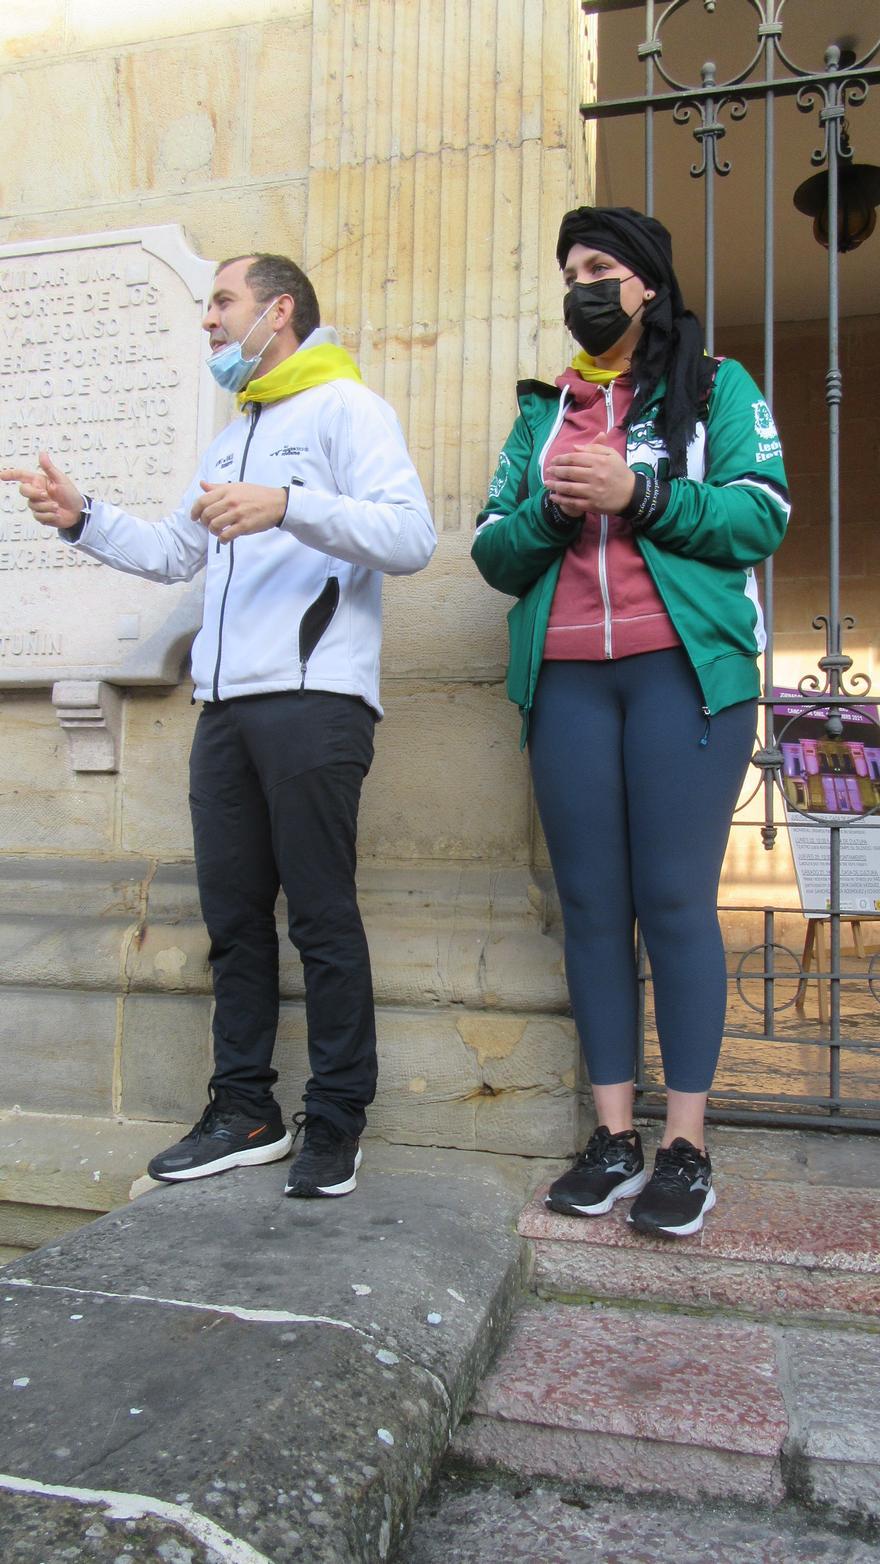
<point x="228" y="365"/>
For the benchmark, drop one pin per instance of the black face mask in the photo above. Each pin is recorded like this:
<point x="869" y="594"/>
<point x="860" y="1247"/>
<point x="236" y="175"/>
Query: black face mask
<point x="593" y="313"/>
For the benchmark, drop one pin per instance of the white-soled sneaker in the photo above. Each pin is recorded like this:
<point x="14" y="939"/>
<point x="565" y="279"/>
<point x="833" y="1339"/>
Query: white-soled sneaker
<point x="223" y="1138"/>
<point x="678" y="1194"/>
<point x="328" y="1162"/>
<point x="612" y="1167"/>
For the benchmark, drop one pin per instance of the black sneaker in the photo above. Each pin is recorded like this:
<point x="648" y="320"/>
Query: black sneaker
<point x="327" y="1163"/>
<point x="679" y="1192"/>
<point x="611" y="1168"/>
<point x="223" y="1138"/>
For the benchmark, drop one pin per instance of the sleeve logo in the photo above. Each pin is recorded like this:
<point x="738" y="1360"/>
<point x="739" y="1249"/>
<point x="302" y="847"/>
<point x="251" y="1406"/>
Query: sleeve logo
<point x="501" y="476"/>
<point x="765" y="428"/>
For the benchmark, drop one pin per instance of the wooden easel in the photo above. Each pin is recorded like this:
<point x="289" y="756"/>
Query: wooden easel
<point x="817" y="949"/>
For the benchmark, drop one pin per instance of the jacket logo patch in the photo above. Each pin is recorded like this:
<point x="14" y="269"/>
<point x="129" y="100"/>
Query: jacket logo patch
<point x="290" y="450"/>
<point x="225" y="461"/>
<point x="764" y="425"/>
<point x="501" y="476"/>
<point x="769" y="446"/>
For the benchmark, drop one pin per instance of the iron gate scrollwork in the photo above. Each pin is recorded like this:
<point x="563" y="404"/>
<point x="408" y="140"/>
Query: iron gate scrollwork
<point x="771" y="970"/>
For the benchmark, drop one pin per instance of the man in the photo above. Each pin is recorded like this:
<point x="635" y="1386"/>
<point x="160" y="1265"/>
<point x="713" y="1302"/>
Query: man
<point x="298" y="508"/>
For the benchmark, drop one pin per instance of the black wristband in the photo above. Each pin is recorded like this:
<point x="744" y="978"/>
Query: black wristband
<point x="650" y="498"/>
<point x="555" y="517"/>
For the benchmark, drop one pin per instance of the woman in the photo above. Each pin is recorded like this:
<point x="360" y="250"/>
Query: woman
<point x="631" y="501"/>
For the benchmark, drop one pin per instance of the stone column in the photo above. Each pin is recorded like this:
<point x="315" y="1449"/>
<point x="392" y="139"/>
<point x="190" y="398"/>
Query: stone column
<point x="445" y="143"/>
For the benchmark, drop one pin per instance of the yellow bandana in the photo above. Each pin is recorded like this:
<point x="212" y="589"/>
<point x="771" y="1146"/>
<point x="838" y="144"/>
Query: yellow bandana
<point x="303" y="369"/>
<point x="588" y="369"/>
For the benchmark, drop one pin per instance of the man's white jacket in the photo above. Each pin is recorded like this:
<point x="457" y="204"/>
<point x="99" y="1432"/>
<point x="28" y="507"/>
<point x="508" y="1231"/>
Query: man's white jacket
<point x="299" y="606"/>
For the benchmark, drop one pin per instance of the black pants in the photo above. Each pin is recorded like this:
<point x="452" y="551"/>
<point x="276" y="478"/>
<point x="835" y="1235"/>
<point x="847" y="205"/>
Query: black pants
<point x="275" y="784"/>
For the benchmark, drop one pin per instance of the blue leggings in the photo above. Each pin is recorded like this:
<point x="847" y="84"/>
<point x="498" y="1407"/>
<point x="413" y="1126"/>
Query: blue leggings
<point x="637" y="814"/>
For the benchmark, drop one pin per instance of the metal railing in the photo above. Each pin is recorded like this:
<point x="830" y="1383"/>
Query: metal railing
<point x="769" y="978"/>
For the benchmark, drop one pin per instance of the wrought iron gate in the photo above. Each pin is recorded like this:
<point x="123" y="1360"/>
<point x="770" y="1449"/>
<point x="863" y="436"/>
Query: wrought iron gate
<point x="768" y="981"/>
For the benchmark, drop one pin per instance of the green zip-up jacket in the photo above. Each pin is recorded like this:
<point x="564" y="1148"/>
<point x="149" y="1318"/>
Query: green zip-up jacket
<point x="725" y="517"/>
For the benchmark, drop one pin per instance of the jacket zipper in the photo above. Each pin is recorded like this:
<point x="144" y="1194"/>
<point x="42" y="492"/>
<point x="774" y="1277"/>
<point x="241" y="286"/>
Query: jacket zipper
<point x="315" y="622"/>
<point x="603" y="537"/>
<point x="255" y="414"/>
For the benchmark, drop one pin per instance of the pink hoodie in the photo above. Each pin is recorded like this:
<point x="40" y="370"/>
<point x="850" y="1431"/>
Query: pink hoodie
<point x="605" y="603"/>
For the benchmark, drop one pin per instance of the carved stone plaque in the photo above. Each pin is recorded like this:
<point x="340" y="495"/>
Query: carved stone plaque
<point x="102" y="364"/>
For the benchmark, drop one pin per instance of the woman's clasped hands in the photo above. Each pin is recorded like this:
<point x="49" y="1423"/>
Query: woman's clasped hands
<point x="591" y="477"/>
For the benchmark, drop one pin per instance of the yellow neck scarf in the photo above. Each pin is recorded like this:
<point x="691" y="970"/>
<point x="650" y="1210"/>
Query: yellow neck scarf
<point x="588" y="369"/>
<point x="303" y="369"/>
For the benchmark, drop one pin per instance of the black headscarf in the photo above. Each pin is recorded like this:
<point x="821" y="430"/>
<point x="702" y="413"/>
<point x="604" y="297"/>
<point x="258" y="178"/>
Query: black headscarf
<point x="672" y="343"/>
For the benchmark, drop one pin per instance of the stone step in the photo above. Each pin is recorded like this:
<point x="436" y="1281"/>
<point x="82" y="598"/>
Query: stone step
<point x="770" y="1247"/>
<point x="629" y="1400"/>
<point x="57" y="1172"/>
<point x="644" y="1402"/>
<point x="475" y="1519"/>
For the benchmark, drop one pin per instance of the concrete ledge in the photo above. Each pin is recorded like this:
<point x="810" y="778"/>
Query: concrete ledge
<point x="286" y="1371"/>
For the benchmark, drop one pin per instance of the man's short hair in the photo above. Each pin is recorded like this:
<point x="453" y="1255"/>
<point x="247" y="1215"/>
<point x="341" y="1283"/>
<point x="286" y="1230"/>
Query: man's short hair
<point x="271" y="275"/>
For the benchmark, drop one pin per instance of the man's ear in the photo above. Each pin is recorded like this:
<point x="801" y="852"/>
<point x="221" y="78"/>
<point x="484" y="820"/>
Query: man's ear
<point x="284" y="308"/>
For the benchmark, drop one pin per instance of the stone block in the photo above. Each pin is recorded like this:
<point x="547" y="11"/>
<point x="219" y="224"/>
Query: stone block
<point x="447" y="781"/>
<point x="451" y="1079"/>
<point x="54" y="176"/>
<point x="431" y="617"/>
<point x="281" y="83"/>
<point x="473" y="1521"/>
<point x="57" y="1050"/>
<point x="65" y="952"/>
<point x="503" y="969"/>
<point x="73" y="887"/>
<point x="832" y="1383"/>
<point x="636" y="1401"/>
<point x="28" y="1226"/>
<point x="82" y="1164"/>
<point x="183" y="115"/>
<point x="166" y="1056"/>
<point x="44" y="805"/>
<point x="155" y="800"/>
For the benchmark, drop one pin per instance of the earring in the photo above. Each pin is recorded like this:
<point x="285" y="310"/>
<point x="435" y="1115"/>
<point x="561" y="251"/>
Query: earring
<point x="648" y="295"/>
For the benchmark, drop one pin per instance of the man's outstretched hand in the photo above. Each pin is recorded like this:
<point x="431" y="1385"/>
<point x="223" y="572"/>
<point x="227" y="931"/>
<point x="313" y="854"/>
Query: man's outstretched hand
<point x="230" y="510"/>
<point x="53" y="499"/>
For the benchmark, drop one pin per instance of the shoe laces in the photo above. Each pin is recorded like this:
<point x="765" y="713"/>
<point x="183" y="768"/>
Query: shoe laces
<point x="212" y="1116"/>
<point x="317" y="1132"/>
<point x="218" y="1111"/>
<point x="679" y="1161"/>
<point x="600" y="1145"/>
